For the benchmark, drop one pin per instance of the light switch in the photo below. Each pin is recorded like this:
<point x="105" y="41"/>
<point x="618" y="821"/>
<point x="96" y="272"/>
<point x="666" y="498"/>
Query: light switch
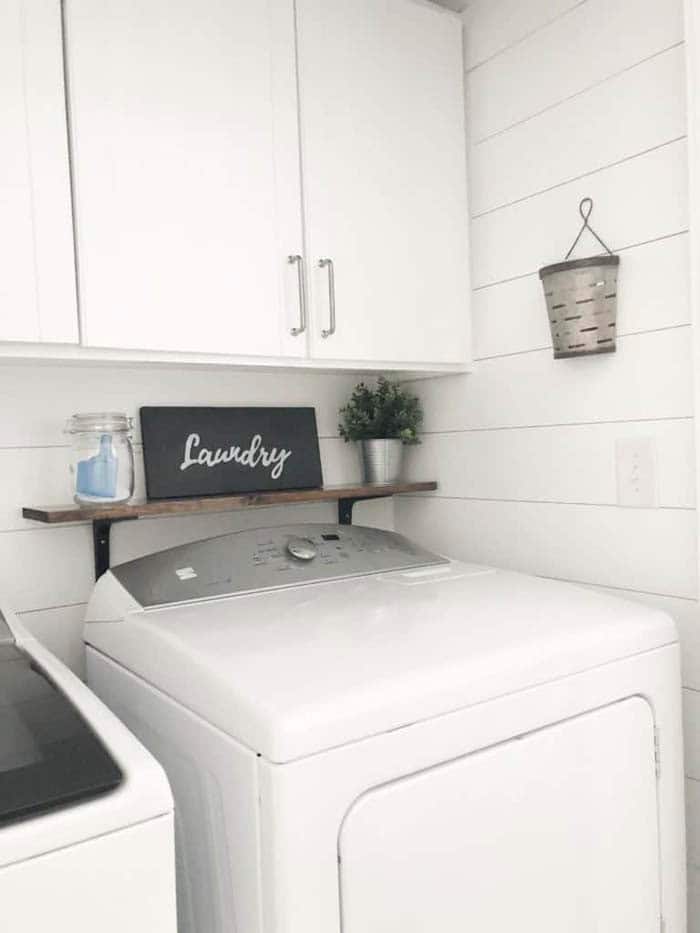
<point x="635" y="459"/>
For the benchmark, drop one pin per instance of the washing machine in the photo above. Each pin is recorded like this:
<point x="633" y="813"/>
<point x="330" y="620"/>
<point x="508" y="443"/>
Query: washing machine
<point x="86" y="813"/>
<point x="362" y="736"/>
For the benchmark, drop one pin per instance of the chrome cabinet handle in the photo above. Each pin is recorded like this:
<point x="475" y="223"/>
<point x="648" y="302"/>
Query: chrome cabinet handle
<point x="299" y="260"/>
<point x="328" y="264"/>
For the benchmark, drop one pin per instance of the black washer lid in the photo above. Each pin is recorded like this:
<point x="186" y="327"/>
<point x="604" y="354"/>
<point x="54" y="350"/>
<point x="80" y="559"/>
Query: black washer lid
<point x="49" y="755"/>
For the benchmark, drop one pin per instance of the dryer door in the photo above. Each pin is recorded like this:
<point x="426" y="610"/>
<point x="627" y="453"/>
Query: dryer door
<point x="553" y="831"/>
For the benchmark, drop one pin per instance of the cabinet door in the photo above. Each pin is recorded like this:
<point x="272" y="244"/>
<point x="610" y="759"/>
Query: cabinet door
<point x="184" y="124"/>
<point x="383" y="146"/>
<point x="37" y="269"/>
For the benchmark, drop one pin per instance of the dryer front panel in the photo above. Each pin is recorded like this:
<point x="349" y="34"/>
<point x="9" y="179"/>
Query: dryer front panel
<point x="552" y="831"/>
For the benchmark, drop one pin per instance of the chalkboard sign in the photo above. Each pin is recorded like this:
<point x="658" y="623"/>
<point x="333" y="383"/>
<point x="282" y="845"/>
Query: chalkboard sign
<point x="214" y="451"/>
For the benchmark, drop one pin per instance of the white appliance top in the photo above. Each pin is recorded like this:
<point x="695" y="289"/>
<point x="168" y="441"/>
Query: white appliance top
<point x="43" y="754"/>
<point x="290" y="669"/>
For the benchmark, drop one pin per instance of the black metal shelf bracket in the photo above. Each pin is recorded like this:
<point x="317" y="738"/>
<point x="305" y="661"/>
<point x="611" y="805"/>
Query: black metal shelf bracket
<point x="101" y="529"/>
<point x="101" y="533"/>
<point x="345" y="506"/>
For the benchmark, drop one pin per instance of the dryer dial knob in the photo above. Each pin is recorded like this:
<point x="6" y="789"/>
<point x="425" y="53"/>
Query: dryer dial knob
<point x="302" y="548"/>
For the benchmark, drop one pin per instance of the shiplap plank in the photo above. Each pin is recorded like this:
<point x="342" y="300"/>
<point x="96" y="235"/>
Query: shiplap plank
<point x="39" y="476"/>
<point x="490" y="26"/>
<point x="639" y="200"/>
<point x="597" y="128"/>
<point x="572" y="464"/>
<point x="649" y="378"/>
<point x="686" y="614"/>
<point x="693" y="899"/>
<point x="594" y="41"/>
<point x="691" y="732"/>
<point x="692" y="830"/>
<point x="61" y="631"/>
<point x="36" y="399"/>
<point x="45" y="568"/>
<point x="606" y="545"/>
<point x="692" y="822"/>
<point x="31" y="475"/>
<point x="653" y="293"/>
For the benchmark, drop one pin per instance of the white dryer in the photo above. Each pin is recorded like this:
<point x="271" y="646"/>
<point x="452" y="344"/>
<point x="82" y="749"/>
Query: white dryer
<point x="86" y="814"/>
<point x="364" y="737"/>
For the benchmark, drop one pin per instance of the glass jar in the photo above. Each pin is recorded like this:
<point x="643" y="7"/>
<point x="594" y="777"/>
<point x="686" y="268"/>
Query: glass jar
<point x="102" y="460"/>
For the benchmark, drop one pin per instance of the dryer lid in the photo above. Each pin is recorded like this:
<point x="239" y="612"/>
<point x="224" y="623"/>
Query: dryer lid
<point x="291" y="672"/>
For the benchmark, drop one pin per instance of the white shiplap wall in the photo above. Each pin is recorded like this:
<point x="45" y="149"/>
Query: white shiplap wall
<point x="566" y="99"/>
<point x="46" y="572"/>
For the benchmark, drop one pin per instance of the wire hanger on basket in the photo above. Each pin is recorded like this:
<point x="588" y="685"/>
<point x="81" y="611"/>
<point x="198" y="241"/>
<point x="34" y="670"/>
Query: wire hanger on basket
<point x="585" y="209"/>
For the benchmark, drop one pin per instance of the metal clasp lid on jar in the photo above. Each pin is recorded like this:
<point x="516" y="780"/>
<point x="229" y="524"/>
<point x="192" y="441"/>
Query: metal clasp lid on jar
<point x="110" y="422"/>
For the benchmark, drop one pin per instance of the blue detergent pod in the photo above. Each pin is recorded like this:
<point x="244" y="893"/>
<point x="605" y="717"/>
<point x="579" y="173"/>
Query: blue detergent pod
<point x="97" y="476"/>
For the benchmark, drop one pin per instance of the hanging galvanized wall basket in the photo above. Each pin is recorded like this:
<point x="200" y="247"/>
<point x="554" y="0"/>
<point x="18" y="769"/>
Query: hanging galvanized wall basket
<point x="581" y="297"/>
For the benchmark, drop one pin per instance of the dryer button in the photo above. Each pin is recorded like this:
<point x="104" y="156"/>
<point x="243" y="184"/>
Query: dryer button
<point x="302" y="548"/>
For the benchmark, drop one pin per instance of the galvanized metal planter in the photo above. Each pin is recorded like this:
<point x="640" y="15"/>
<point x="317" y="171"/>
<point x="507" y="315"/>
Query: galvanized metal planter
<point x="382" y="460"/>
<point x="581" y="296"/>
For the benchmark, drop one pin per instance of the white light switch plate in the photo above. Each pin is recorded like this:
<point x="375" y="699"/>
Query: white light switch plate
<point x="635" y="460"/>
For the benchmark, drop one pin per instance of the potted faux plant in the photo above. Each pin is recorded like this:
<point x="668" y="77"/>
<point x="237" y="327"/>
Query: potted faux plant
<point x="382" y="420"/>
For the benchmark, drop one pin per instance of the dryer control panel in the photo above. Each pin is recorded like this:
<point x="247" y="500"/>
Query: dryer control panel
<point x="267" y="558"/>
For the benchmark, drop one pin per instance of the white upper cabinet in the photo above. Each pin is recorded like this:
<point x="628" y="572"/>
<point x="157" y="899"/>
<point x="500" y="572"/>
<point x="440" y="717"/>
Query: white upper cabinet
<point x="383" y="145"/>
<point x="187" y="183"/>
<point x="196" y="124"/>
<point x="37" y="273"/>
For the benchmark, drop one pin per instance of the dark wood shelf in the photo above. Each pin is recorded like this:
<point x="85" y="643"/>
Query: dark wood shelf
<point x="60" y="514"/>
<point x="102" y="517"/>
